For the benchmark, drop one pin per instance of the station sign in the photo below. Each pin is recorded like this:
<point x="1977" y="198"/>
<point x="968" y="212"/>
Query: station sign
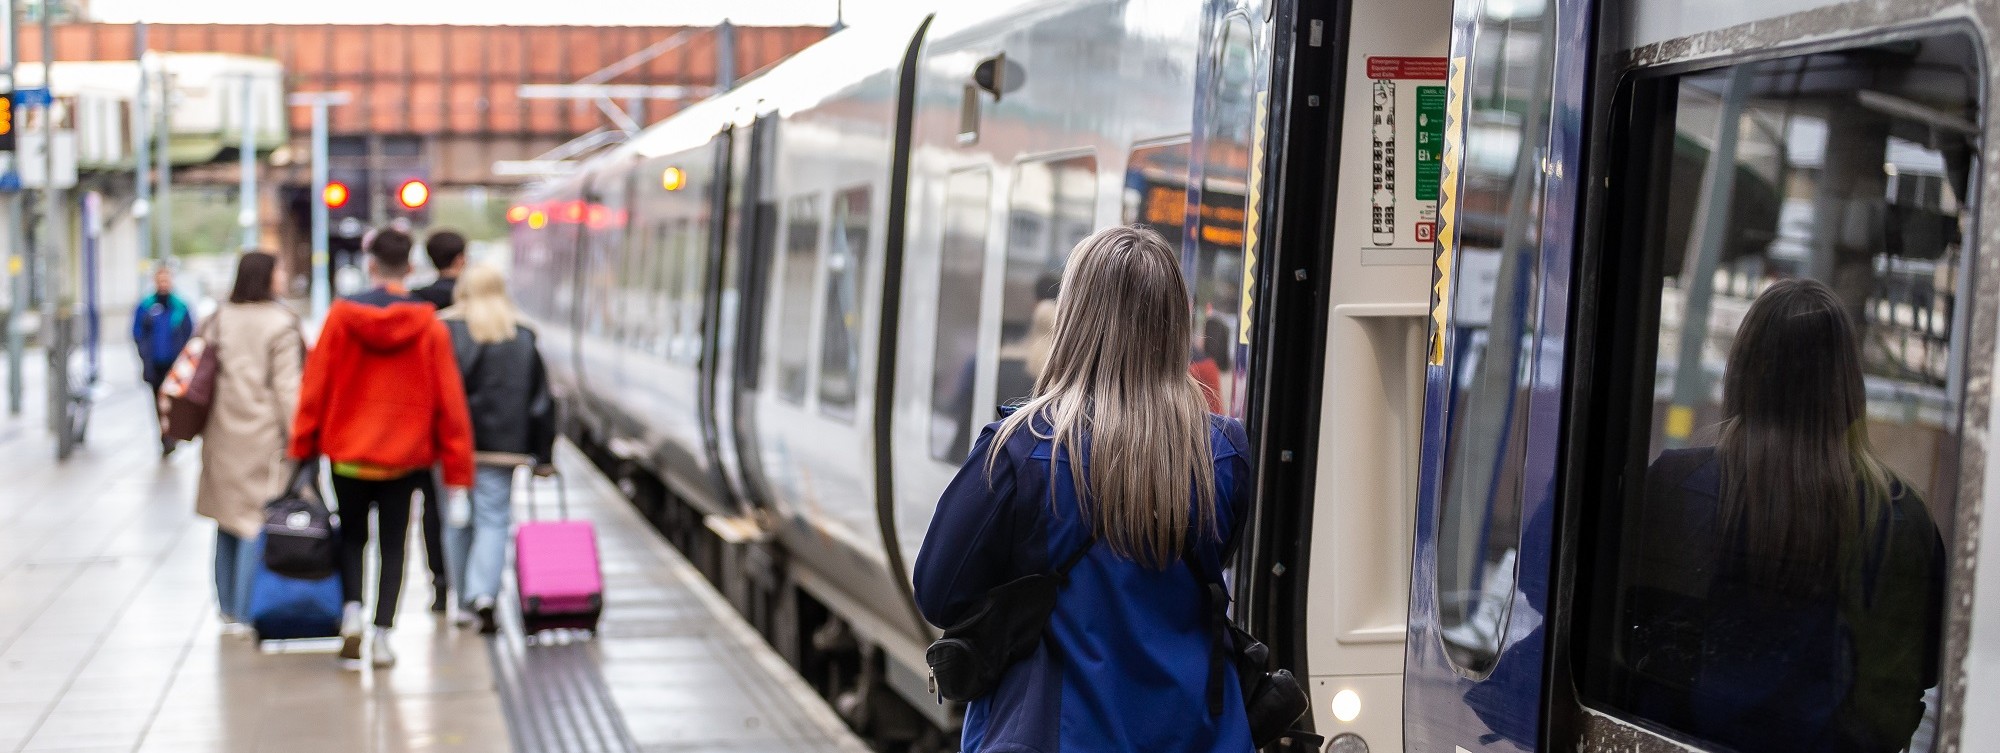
<point x="32" y="96"/>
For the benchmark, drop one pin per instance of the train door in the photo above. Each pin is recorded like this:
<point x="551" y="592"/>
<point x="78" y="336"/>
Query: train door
<point x="1720" y="500"/>
<point x="1482" y="561"/>
<point x="1781" y="299"/>
<point x="710" y="369"/>
<point x="1338" y="158"/>
<point x="731" y="376"/>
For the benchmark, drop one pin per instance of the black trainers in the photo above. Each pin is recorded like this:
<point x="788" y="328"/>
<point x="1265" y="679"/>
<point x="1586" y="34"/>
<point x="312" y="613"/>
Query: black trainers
<point x="483" y="607"/>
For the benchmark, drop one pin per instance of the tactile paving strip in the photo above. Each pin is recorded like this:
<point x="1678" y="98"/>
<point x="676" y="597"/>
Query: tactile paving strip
<point x="554" y="695"/>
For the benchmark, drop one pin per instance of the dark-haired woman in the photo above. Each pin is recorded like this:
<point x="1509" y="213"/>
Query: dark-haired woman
<point x="1116" y="466"/>
<point x="1788" y="587"/>
<point x="243" y="462"/>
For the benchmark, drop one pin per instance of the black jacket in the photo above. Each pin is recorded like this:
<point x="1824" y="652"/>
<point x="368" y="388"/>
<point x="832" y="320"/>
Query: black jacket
<point x="437" y="293"/>
<point x="1714" y="653"/>
<point x="508" y="392"/>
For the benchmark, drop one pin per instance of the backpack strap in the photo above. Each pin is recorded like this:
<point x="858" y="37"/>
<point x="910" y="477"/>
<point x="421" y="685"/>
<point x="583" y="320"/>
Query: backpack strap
<point x="1216" y="599"/>
<point x="1062" y="571"/>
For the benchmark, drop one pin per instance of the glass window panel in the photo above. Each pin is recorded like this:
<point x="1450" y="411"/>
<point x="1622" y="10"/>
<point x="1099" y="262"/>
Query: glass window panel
<point x="955" y="352"/>
<point x="693" y="241"/>
<point x="795" y="295"/>
<point x="1051" y="208"/>
<point x="1215" y="277"/>
<point x="840" y="344"/>
<point x="1493" y="324"/>
<point x="1769" y="572"/>
<point x="669" y="287"/>
<point x="1156" y="181"/>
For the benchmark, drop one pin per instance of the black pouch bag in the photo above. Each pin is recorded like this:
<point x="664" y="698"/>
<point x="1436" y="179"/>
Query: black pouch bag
<point x="300" y="539"/>
<point x="1004" y="627"/>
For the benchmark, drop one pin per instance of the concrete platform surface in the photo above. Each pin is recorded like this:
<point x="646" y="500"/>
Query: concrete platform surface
<point x="110" y="639"/>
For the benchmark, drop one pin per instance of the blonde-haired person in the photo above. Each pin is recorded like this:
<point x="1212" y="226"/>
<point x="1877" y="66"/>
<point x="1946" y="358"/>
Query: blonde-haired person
<point x="513" y="424"/>
<point x="1117" y="465"/>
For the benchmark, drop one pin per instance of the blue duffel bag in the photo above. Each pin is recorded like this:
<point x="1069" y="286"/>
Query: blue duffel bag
<point x="283" y="608"/>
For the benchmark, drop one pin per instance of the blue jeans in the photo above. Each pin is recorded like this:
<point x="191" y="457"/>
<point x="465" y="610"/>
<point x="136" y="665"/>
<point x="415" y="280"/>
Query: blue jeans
<point x="478" y="553"/>
<point x="236" y="562"/>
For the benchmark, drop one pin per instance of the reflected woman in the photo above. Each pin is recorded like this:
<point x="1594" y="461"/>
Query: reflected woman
<point x="1788" y="587"/>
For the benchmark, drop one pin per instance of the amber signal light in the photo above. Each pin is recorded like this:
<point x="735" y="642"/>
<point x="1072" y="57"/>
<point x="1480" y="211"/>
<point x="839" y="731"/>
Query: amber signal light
<point x="335" y="195"/>
<point x="413" y="194"/>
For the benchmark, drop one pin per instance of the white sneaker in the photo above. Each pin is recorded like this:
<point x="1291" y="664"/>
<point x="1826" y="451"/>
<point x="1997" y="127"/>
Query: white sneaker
<point x="379" y="652"/>
<point x="350" y="635"/>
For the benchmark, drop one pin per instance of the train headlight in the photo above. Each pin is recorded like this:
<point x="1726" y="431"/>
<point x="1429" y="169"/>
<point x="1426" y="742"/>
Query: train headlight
<point x="1347" y="743"/>
<point x="1346" y="705"/>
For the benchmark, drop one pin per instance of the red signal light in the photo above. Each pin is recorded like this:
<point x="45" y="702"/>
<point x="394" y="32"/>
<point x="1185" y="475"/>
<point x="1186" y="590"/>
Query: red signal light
<point x="336" y="195"/>
<point x="413" y="194"/>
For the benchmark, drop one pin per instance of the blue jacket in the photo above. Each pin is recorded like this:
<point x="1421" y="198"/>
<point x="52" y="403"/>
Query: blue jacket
<point x="161" y="326"/>
<point x="1124" y="664"/>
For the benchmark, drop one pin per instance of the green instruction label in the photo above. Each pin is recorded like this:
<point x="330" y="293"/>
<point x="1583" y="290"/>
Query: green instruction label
<point x="1430" y="141"/>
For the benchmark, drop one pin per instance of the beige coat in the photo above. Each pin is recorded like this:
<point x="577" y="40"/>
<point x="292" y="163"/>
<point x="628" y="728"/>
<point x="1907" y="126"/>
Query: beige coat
<point x="256" y="390"/>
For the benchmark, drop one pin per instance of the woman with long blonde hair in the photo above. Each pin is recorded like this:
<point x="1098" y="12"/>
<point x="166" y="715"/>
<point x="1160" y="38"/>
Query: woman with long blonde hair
<point x="1116" y="478"/>
<point x="513" y="424"/>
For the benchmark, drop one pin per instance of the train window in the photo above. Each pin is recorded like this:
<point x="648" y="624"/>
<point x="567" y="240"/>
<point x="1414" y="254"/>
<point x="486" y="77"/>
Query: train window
<point x="1216" y="276"/>
<point x="955" y="352"/>
<point x="1784" y="347"/>
<point x="1156" y="180"/>
<point x="795" y="295"/>
<point x="1493" y="321"/>
<point x="840" y="328"/>
<point x="1051" y="208"/>
<point x="693" y="240"/>
<point x="667" y="289"/>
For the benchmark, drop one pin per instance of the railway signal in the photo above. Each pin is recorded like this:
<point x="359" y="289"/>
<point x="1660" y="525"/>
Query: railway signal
<point x="336" y="195"/>
<point x="413" y="194"/>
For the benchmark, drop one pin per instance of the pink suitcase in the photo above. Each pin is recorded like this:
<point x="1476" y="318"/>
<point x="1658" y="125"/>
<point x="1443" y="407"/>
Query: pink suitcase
<point x="556" y="569"/>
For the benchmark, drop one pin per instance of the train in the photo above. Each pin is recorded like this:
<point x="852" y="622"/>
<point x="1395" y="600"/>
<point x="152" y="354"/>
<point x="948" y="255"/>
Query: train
<point x="1464" y="268"/>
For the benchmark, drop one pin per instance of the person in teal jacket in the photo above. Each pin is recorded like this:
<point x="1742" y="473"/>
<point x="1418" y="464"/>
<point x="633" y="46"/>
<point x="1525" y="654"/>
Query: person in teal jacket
<point x="161" y="326"/>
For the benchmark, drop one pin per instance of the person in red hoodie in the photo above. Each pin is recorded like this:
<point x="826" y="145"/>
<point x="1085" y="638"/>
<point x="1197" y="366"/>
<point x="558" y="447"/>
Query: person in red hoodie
<point x="382" y="400"/>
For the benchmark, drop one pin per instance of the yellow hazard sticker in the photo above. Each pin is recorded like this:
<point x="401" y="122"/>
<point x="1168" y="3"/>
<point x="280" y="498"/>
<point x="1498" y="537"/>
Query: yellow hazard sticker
<point x="1253" y="211"/>
<point x="1447" y="211"/>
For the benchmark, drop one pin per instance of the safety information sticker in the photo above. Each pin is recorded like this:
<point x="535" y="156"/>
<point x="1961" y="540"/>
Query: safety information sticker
<point x="1407" y="100"/>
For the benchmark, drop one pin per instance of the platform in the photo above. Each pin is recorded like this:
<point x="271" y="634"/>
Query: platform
<point x="110" y="639"/>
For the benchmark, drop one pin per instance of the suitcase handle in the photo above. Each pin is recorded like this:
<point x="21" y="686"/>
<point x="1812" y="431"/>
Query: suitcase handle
<point x="562" y="494"/>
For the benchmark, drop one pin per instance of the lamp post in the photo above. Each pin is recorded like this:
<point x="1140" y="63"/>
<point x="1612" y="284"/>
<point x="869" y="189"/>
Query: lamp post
<point x="322" y="286"/>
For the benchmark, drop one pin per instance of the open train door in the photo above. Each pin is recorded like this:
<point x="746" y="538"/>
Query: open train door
<point x="1479" y="632"/>
<point x="730" y="375"/>
<point x="1323" y="121"/>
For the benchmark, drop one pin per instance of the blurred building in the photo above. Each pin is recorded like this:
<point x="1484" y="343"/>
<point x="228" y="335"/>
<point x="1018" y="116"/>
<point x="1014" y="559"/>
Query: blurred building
<point x="437" y="105"/>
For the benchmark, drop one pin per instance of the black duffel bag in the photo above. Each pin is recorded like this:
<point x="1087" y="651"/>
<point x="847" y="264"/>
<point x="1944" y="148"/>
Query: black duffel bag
<point x="300" y="538"/>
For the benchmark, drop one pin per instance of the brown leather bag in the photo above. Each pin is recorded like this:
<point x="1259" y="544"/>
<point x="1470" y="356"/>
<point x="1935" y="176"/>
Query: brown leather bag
<point x="189" y="389"/>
